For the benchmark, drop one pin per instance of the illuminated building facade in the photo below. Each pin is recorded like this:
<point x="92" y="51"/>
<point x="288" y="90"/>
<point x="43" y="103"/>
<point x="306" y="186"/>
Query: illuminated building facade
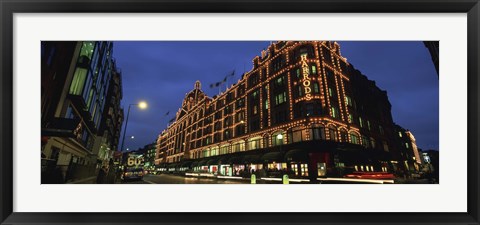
<point x="408" y="149"/>
<point x="302" y="109"/>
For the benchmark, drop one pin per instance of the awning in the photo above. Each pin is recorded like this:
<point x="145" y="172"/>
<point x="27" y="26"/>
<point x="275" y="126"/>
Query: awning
<point x="235" y="160"/>
<point x="186" y="164"/>
<point x="273" y="157"/>
<point x="62" y="127"/>
<point x="252" y="159"/>
<point x="223" y="160"/>
<point x="161" y="165"/>
<point x="212" y="162"/>
<point x="202" y="163"/>
<point x="296" y="155"/>
<point x="172" y="165"/>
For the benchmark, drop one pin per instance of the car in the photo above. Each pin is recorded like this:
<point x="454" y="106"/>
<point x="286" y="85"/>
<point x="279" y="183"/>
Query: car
<point x="370" y="175"/>
<point x="132" y="173"/>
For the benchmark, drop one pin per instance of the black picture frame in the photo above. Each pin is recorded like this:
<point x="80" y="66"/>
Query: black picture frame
<point x="9" y="7"/>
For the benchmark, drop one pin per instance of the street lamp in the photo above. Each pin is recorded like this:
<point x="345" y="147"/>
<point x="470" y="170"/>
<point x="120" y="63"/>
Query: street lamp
<point x="280" y="138"/>
<point x="141" y="105"/>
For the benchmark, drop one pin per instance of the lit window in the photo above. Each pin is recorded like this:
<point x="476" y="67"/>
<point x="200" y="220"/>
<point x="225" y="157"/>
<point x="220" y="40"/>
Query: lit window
<point x="295" y="169"/>
<point x="280" y="81"/>
<point x="304" y="169"/>
<point x="87" y="49"/>
<point x="334" y="112"/>
<point x="332" y="134"/>
<point x="360" y="121"/>
<point x="350" y="118"/>
<point x="354" y="139"/>
<point x="266" y="103"/>
<point x="300" y="91"/>
<point x="372" y="141"/>
<point x="316" y="88"/>
<point x="385" y="146"/>
<point x="330" y="92"/>
<point x="406" y="145"/>
<point x="368" y="124"/>
<point x="280" y="98"/>
<point x="78" y="82"/>
<point x="314" y="69"/>
<point x="400" y="134"/>
<point x="348" y="100"/>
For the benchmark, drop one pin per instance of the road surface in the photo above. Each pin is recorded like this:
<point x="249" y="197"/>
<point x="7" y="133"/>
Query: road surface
<point x="173" y="179"/>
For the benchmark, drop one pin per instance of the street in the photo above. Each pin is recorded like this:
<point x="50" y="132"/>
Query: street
<point x="173" y="179"/>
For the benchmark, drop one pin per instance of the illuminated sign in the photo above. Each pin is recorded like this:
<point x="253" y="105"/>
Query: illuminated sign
<point x="135" y="160"/>
<point x="306" y="79"/>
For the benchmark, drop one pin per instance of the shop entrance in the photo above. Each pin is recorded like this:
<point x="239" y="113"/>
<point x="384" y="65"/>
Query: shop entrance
<point x="322" y="169"/>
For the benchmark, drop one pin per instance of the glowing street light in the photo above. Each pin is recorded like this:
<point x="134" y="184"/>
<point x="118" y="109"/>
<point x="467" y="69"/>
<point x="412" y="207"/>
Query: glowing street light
<point x="141" y="105"/>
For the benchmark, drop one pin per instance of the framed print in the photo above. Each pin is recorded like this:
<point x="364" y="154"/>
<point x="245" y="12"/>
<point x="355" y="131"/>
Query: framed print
<point x="196" y="112"/>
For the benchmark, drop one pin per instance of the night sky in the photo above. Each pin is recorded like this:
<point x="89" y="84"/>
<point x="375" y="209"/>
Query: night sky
<point x="161" y="73"/>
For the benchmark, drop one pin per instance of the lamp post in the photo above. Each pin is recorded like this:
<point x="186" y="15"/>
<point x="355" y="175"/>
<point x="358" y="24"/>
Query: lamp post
<point x="141" y="105"/>
<point x="280" y="138"/>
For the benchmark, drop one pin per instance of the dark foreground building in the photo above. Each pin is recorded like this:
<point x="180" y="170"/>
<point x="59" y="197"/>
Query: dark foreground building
<point x="80" y="106"/>
<point x="302" y="110"/>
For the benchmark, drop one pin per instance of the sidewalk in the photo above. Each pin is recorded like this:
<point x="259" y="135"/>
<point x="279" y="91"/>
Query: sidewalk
<point x="88" y="180"/>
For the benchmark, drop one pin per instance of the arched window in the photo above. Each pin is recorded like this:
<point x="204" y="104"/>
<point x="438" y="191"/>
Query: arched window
<point x="254" y="143"/>
<point x="343" y="135"/>
<point x="332" y="133"/>
<point x="297" y="134"/>
<point x="318" y="132"/>
<point x="354" y="138"/>
<point x="265" y="141"/>
<point x="278" y="138"/>
<point x="239" y="146"/>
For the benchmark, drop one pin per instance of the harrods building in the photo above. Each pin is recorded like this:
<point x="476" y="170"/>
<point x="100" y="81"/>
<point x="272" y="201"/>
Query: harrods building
<point x="302" y="108"/>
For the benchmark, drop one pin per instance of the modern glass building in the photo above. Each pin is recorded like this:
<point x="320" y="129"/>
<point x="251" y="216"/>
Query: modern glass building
<point x="302" y="110"/>
<point x="76" y="79"/>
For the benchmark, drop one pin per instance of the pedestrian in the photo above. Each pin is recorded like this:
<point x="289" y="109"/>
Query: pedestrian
<point x="101" y="175"/>
<point x="110" y="179"/>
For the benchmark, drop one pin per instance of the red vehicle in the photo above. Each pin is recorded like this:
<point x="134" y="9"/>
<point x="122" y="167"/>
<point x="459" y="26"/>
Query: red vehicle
<point x="371" y="175"/>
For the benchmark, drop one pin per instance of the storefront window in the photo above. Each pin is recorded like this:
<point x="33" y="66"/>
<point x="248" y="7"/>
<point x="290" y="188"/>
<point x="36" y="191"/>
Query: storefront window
<point x="304" y="169"/>
<point x="295" y="169"/>
<point x="322" y="169"/>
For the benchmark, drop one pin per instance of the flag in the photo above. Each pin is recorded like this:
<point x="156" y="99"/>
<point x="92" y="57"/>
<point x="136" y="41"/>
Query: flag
<point x="217" y="84"/>
<point x="171" y="121"/>
<point x="166" y="114"/>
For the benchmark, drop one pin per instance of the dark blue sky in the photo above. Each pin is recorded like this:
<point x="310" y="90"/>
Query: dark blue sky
<point x="162" y="72"/>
